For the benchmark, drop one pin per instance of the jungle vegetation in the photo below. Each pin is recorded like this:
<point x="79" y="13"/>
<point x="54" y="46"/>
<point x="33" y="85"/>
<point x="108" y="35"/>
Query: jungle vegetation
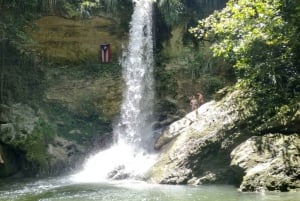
<point x="261" y="40"/>
<point x="258" y="40"/>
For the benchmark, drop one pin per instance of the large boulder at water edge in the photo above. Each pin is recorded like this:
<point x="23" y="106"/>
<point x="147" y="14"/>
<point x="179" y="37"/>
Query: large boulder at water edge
<point x="225" y="142"/>
<point x="28" y="143"/>
<point x="270" y="162"/>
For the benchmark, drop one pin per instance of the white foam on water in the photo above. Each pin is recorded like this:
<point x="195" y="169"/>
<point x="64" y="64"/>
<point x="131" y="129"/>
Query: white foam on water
<point x="130" y="156"/>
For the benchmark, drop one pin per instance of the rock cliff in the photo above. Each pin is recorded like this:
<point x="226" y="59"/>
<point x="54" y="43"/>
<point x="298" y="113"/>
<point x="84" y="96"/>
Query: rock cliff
<point x="62" y="107"/>
<point x="222" y="142"/>
<point x="29" y="145"/>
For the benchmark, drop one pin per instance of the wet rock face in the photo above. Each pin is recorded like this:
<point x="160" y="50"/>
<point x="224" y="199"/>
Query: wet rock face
<point x="119" y="173"/>
<point x="65" y="155"/>
<point x="10" y="161"/>
<point x="194" y="149"/>
<point x="218" y="143"/>
<point x="271" y="162"/>
<point x="28" y="145"/>
<point x="18" y="121"/>
<point x="73" y="41"/>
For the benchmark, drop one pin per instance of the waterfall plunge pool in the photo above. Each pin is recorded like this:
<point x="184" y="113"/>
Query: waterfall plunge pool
<point x="64" y="189"/>
<point x="135" y="111"/>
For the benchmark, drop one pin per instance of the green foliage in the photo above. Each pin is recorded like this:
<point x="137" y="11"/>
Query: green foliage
<point x="256" y="39"/>
<point x="66" y="9"/>
<point x="212" y="84"/>
<point x="111" y="5"/>
<point x="21" y="79"/>
<point x="14" y="17"/>
<point x="171" y="10"/>
<point x="109" y="69"/>
<point x="260" y="39"/>
<point x="87" y="126"/>
<point x="166" y="84"/>
<point x="36" y="143"/>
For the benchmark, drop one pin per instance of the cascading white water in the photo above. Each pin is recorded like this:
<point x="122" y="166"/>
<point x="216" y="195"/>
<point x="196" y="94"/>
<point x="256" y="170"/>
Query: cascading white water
<point x="129" y="156"/>
<point x="137" y="65"/>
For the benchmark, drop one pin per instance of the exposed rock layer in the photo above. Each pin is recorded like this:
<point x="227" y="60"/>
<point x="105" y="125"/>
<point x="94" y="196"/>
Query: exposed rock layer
<point x="270" y="162"/>
<point x="209" y="145"/>
<point x="28" y="145"/>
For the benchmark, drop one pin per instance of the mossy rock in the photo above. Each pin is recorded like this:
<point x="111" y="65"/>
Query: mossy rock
<point x="60" y="40"/>
<point x="35" y="145"/>
<point x="270" y="162"/>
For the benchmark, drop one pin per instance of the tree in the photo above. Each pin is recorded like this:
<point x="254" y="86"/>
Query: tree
<point x="171" y="10"/>
<point x="15" y="16"/>
<point x="257" y="38"/>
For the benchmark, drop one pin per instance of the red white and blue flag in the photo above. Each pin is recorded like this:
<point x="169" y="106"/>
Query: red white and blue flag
<point x="105" y="53"/>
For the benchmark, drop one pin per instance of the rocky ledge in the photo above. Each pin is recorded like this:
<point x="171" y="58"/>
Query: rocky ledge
<point x="270" y="162"/>
<point x="29" y="145"/>
<point x="224" y="142"/>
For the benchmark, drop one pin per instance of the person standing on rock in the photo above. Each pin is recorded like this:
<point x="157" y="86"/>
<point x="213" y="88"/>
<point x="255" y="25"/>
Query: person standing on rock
<point x="194" y="103"/>
<point x="200" y="99"/>
<point x="1" y="159"/>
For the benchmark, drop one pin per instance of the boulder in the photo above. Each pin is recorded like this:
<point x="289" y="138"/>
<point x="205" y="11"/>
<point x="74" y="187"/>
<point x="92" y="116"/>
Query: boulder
<point x="193" y="148"/>
<point x="29" y="146"/>
<point x="20" y="121"/>
<point x="172" y="131"/>
<point x="64" y="155"/>
<point x="225" y="142"/>
<point x="271" y="162"/>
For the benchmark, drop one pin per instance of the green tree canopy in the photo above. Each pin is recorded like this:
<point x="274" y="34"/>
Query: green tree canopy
<point x="259" y="38"/>
<point x="15" y="15"/>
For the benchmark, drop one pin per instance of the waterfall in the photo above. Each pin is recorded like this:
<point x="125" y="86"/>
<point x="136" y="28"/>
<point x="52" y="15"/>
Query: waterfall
<point x="137" y="65"/>
<point x="130" y="156"/>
